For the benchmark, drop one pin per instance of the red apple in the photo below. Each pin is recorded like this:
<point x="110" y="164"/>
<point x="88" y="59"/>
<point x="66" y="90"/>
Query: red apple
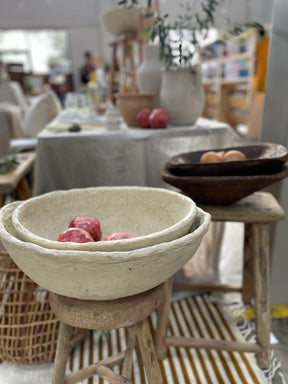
<point x="119" y="236"/>
<point x="143" y="117"/>
<point x="76" y="235"/>
<point x="159" y="118"/>
<point x="90" y="224"/>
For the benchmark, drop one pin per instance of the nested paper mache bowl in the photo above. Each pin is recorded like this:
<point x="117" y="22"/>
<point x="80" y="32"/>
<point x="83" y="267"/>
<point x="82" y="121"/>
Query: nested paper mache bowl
<point x="153" y="215"/>
<point x="94" y="275"/>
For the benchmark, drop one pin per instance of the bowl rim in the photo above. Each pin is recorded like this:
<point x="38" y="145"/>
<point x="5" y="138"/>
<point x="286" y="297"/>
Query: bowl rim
<point x="94" y="246"/>
<point x="114" y="257"/>
<point x="165" y="172"/>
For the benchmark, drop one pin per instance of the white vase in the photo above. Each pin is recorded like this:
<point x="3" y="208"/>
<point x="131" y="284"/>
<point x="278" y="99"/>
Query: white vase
<point x="149" y="73"/>
<point x="182" y="95"/>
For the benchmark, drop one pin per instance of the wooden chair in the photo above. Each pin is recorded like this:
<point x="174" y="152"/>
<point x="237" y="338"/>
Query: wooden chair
<point x="257" y="212"/>
<point x="131" y="312"/>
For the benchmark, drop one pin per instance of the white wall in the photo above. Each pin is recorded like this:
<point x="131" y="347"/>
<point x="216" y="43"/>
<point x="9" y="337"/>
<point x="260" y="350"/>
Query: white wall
<point x="82" y="18"/>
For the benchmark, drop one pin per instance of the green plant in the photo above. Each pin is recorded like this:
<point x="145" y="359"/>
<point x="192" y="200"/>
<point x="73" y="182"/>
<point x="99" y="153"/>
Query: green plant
<point x="8" y="163"/>
<point x="246" y="28"/>
<point x="179" y="41"/>
<point x="132" y="3"/>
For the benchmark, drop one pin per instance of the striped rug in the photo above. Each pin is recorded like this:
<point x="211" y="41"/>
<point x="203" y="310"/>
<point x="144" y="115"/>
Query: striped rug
<point x="193" y="316"/>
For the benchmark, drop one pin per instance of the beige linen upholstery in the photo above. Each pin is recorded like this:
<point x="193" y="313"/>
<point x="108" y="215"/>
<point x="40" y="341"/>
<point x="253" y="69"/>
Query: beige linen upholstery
<point x="45" y="109"/>
<point x="12" y="93"/>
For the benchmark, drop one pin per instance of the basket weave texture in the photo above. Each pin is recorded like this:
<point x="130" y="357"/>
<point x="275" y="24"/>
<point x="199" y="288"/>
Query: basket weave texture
<point x="28" y="327"/>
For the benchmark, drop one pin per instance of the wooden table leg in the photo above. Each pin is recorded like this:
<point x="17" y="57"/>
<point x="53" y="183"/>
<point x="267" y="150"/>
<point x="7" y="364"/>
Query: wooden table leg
<point x="148" y="353"/>
<point x="162" y="321"/>
<point x="248" y="273"/>
<point x="62" y="352"/>
<point x="262" y="292"/>
<point x="23" y="189"/>
<point x="2" y="200"/>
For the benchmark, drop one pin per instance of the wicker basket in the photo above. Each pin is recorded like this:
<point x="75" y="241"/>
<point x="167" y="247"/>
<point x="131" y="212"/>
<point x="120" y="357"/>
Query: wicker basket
<point x="28" y="327"/>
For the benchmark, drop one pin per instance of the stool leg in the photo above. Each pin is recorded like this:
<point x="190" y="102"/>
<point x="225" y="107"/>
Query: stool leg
<point x="148" y="353"/>
<point x="262" y="292"/>
<point x="162" y="321"/>
<point x="62" y="352"/>
<point x="128" y="359"/>
<point x="248" y="280"/>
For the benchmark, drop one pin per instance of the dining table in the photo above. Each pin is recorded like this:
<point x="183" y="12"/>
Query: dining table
<point x="97" y="156"/>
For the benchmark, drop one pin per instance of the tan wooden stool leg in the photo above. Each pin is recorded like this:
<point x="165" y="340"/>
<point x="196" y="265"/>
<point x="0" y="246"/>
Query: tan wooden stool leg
<point x="248" y="273"/>
<point x="148" y="353"/>
<point x="262" y="292"/>
<point x="128" y="359"/>
<point x="62" y="352"/>
<point x="162" y="321"/>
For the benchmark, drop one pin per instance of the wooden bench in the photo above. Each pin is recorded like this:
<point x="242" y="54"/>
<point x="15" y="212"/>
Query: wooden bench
<point x="257" y="212"/>
<point x="16" y="180"/>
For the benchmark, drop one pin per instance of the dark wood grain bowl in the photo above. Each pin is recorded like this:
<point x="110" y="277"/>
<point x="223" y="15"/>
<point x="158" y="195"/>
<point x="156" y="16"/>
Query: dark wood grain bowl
<point x="264" y="158"/>
<point x="222" y="190"/>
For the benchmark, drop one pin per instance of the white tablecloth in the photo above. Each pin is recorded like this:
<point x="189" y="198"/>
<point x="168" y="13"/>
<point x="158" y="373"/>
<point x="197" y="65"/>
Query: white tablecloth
<point x="130" y="156"/>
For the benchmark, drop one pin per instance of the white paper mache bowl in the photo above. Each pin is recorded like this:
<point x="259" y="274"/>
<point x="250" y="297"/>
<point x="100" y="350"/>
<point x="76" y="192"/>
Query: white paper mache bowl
<point x="153" y="215"/>
<point x="101" y="275"/>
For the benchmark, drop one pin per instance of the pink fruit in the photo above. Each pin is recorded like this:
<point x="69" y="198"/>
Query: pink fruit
<point x="90" y="224"/>
<point x="143" y="118"/>
<point x="119" y="236"/>
<point x="159" y="118"/>
<point x="76" y="235"/>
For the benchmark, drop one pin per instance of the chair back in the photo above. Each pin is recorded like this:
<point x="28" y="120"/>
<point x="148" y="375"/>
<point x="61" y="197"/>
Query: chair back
<point x="12" y="93"/>
<point x="40" y="113"/>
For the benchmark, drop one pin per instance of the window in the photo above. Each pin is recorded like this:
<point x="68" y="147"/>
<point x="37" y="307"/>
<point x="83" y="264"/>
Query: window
<point x="35" y="50"/>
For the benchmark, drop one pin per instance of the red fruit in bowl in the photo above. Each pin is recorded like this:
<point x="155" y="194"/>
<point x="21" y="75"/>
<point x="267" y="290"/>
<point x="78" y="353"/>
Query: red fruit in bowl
<point x="76" y="235"/>
<point x="143" y="117"/>
<point x="159" y="118"/>
<point x="90" y="224"/>
<point x="119" y="236"/>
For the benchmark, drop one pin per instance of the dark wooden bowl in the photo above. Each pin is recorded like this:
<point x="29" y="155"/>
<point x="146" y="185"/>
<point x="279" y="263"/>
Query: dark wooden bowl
<point x="222" y="190"/>
<point x="264" y="158"/>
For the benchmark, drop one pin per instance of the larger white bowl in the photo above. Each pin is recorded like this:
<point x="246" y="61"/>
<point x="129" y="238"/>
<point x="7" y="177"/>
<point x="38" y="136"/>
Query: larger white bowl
<point x="154" y="215"/>
<point x="101" y="275"/>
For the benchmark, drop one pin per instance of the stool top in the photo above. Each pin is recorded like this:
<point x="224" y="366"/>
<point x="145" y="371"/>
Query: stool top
<point x="109" y="314"/>
<point x="259" y="207"/>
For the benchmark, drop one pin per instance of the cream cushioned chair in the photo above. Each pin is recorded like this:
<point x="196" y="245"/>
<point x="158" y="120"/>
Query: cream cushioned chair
<point x="12" y="93"/>
<point x="40" y="113"/>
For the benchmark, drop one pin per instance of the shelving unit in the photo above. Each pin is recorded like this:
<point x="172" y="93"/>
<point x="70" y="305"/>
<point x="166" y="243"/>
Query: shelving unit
<point x="228" y="72"/>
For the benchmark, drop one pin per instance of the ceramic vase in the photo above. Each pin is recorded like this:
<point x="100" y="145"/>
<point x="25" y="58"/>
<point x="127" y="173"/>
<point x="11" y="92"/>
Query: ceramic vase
<point x="182" y="95"/>
<point x="129" y="104"/>
<point x="149" y="72"/>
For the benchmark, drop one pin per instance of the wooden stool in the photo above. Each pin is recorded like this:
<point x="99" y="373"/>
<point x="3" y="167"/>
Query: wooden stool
<point x="132" y="312"/>
<point x="16" y="179"/>
<point x="257" y="212"/>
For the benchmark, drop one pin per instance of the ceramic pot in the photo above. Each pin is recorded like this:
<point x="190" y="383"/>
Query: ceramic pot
<point x="182" y="95"/>
<point x="149" y="72"/>
<point x="129" y="104"/>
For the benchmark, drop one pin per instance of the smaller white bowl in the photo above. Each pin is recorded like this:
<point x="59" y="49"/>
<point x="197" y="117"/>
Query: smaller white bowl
<point x="153" y="215"/>
<point x="101" y="275"/>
